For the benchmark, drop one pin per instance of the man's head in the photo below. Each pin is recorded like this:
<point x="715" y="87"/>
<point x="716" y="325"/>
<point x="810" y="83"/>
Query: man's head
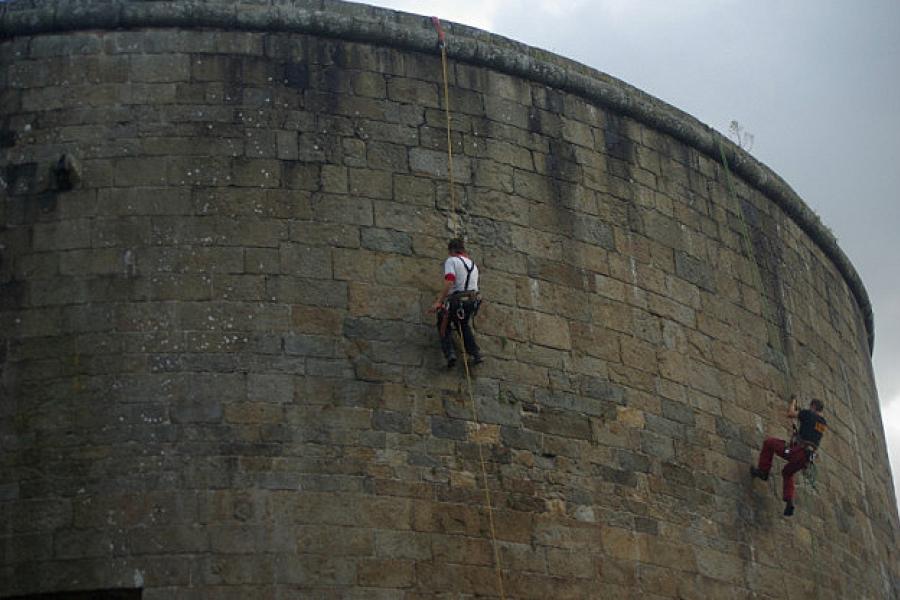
<point x="817" y="405"/>
<point x="456" y="246"/>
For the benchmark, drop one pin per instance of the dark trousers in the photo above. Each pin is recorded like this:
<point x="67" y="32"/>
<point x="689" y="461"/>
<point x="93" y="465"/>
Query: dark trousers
<point x="454" y="323"/>
<point x="796" y="458"/>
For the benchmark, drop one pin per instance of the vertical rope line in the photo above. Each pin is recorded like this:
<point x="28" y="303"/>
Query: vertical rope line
<point x="487" y="490"/>
<point x="453" y="204"/>
<point x="454" y="211"/>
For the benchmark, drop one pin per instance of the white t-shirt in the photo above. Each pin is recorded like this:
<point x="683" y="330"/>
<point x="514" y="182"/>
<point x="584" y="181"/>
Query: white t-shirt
<point x="455" y="271"/>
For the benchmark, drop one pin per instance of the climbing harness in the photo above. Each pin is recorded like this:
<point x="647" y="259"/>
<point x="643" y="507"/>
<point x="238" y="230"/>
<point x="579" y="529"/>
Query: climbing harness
<point x="453" y="222"/>
<point x="810" y="470"/>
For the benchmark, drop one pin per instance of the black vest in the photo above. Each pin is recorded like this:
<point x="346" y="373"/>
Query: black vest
<point x="812" y="426"/>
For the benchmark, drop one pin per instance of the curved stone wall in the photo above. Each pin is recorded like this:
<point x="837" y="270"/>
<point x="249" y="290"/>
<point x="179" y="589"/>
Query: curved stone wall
<point x="218" y="379"/>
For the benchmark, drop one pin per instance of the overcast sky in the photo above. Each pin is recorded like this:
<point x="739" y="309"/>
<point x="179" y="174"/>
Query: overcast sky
<point x="817" y="82"/>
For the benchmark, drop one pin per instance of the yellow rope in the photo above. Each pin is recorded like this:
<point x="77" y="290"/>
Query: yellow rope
<point x="453" y="204"/>
<point x="455" y="228"/>
<point x="487" y="490"/>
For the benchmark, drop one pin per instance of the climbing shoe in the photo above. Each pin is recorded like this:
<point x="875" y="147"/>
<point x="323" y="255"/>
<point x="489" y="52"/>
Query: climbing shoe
<point x="789" y="508"/>
<point x="451" y="361"/>
<point x="759" y="474"/>
<point x="477" y="359"/>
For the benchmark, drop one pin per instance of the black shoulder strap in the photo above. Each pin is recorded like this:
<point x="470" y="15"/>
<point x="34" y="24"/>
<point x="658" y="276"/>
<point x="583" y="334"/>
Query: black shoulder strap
<point x="469" y="270"/>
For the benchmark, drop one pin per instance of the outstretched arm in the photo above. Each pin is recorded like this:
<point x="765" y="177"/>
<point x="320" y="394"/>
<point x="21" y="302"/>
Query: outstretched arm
<point x="792" y="411"/>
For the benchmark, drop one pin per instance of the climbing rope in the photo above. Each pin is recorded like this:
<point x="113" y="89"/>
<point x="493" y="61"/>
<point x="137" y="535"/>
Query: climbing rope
<point x="484" y="478"/>
<point x="756" y="270"/>
<point x="453" y="223"/>
<point x="811" y="474"/>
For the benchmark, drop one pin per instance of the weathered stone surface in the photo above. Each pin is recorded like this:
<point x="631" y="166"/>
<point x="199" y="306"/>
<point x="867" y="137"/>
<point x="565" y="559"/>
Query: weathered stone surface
<point x="218" y="378"/>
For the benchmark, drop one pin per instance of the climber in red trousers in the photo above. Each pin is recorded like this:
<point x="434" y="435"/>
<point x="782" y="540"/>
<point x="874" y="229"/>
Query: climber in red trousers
<point x="798" y="453"/>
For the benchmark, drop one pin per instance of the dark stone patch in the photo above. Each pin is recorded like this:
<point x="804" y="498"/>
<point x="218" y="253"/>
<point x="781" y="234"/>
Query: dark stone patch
<point x="21" y="179"/>
<point x="388" y="420"/>
<point x="697" y="272"/>
<point x="630" y="461"/>
<point x="452" y="429"/>
<point x="617" y="144"/>
<point x="7" y="138"/>
<point x="296" y="76"/>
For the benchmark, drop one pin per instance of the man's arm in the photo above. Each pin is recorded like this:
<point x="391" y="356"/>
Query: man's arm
<point x="439" y="301"/>
<point x="792" y="411"/>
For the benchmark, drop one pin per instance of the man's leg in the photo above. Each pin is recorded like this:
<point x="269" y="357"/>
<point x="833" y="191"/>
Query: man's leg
<point x="770" y="447"/>
<point x="472" y="348"/>
<point x="445" y="332"/>
<point x="797" y="461"/>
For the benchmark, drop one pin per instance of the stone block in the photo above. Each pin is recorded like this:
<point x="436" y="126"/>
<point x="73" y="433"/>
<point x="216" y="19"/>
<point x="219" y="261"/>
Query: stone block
<point x="385" y="156"/>
<point x="135" y="172"/>
<point x="434" y="163"/>
<point x="386" y="420"/>
<point x="310" y="345"/>
<point x="62" y="235"/>
<point x="549" y="330"/>
<point x="302" y="176"/>
<point x="353" y="265"/>
<point x="316" y="320"/>
<point x="621" y="544"/>
<point x="559" y="423"/>
<point x="678" y="411"/>
<point x="306" y="261"/>
<point x="37" y="515"/>
<point x="412" y="91"/>
<point x="259" y="173"/>
<point x="453" y="429"/>
<point x="325" y="234"/>
<point x="163" y="540"/>
<point x="143" y="201"/>
<point x="311" y="570"/>
<point x="719" y="565"/>
<point x="318" y="539"/>
<point x="370" y="183"/>
<point x="569" y="564"/>
<point x="77" y="44"/>
<point x="350" y="210"/>
<point x="296" y="290"/>
<point x="695" y="271"/>
<point x="158" y="68"/>
<point x="255" y="413"/>
<point x="369" y="84"/>
<point x="190" y="410"/>
<point x="270" y="388"/>
<point x="334" y="179"/>
<point x="386" y="240"/>
<point x="409" y="545"/>
<point x="383" y="302"/>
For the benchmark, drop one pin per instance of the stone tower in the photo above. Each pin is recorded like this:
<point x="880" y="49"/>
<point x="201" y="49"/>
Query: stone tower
<point x="221" y="223"/>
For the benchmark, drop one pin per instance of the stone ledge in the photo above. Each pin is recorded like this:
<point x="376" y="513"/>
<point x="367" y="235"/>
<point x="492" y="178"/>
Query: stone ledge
<point x="358" y="22"/>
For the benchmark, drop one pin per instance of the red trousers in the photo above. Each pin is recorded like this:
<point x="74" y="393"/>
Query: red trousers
<point x="796" y="458"/>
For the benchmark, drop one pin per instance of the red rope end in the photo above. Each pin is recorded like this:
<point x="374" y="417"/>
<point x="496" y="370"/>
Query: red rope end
<point x="437" y="27"/>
